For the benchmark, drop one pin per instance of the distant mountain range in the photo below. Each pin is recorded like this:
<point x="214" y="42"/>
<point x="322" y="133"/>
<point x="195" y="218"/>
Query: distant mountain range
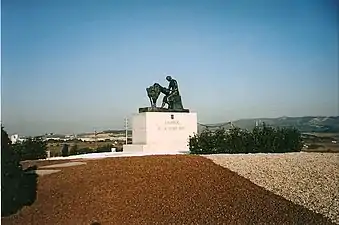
<point x="304" y="124"/>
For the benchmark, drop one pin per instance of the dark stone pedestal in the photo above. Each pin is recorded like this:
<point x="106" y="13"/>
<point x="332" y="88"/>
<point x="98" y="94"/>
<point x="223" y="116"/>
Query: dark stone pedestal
<point x="157" y="109"/>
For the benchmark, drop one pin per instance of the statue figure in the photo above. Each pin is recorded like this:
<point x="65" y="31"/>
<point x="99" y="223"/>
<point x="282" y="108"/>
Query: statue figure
<point x="172" y="96"/>
<point x="153" y="93"/>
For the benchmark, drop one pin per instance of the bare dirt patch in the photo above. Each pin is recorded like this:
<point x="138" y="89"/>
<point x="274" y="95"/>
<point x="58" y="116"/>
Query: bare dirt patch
<point x="175" y="189"/>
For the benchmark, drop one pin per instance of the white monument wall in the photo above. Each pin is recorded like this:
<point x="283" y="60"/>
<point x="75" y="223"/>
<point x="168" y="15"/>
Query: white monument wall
<point x="161" y="131"/>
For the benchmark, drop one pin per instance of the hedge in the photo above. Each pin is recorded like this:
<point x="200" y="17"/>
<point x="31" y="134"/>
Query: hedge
<point x="262" y="139"/>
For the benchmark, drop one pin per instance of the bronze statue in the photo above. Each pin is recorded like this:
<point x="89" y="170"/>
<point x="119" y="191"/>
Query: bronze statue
<point x="153" y="93"/>
<point x="172" y="97"/>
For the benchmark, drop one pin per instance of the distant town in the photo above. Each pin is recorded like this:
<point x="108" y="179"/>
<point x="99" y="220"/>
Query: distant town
<point x="306" y="124"/>
<point x="103" y="136"/>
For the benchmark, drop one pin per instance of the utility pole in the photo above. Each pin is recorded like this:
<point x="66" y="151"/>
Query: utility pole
<point x="95" y="136"/>
<point x="126" y="129"/>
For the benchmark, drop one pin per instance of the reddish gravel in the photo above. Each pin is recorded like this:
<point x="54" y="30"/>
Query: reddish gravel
<point x="157" y="190"/>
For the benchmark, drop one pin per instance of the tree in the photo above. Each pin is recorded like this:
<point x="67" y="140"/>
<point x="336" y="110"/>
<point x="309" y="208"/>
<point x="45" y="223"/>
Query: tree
<point x="18" y="149"/>
<point x="64" y="150"/>
<point x="32" y="148"/>
<point x="74" y="150"/>
<point x="17" y="188"/>
<point x="11" y="173"/>
<point x="235" y="140"/>
<point x="293" y="139"/>
<point x="202" y="143"/>
<point x="104" y="148"/>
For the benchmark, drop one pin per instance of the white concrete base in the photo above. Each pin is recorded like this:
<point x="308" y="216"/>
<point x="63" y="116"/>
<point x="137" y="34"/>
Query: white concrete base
<point x="161" y="132"/>
<point x="68" y="164"/>
<point x="42" y="172"/>
<point x="104" y="155"/>
<point x="152" y="149"/>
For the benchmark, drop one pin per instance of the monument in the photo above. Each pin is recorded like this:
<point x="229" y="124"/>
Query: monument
<point x="162" y="129"/>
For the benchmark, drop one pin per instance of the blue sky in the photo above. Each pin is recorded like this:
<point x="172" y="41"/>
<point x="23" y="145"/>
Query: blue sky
<point x="78" y="65"/>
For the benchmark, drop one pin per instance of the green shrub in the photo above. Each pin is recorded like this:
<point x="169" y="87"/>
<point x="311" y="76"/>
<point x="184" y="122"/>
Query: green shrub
<point x="202" y="143"/>
<point x="263" y="139"/>
<point x="104" y="148"/>
<point x="64" y="150"/>
<point x="84" y="150"/>
<point x="235" y="141"/>
<point x="17" y="187"/>
<point x="31" y="149"/>
<point x="55" y="154"/>
<point x="74" y="150"/>
<point x="315" y="146"/>
<point x="11" y="172"/>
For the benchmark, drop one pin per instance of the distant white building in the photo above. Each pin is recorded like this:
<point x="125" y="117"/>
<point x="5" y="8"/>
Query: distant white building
<point x="53" y="138"/>
<point x="71" y="137"/>
<point x="86" y="139"/>
<point x="14" y="138"/>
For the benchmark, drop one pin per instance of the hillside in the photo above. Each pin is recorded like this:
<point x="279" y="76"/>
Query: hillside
<point x="304" y="124"/>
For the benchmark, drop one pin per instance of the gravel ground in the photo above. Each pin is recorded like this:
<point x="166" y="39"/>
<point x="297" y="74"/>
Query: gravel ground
<point x="182" y="189"/>
<point x="308" y="179"/>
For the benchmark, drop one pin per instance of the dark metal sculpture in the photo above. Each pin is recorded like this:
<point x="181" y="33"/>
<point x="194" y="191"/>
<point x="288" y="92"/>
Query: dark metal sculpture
<point x="153" y="93"/>
<point x="172" y="97"/>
